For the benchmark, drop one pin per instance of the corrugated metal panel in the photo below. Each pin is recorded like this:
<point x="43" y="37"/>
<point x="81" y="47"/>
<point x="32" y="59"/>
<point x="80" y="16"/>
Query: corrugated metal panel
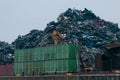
<point x="18" y="68"/>
<point x="72" y="51"/>
<point x="98" y="62"/>
<point x="60" y="66"/>
<point x="45" y="53"/>
<point x="111" y="63"/>
<point x="38" y="54"/>
<point x="115" y="63"/>
<point x="29" y="68"/>
<point x="52" y="59"/>
<point x="6" y="70"/>
<point x="72" y="65"/>
<point x="28" y="55"/>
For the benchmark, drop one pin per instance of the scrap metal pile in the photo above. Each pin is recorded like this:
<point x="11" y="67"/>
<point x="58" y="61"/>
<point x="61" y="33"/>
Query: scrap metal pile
<point x="82" y="26"/>
<point x="6" y="53"/>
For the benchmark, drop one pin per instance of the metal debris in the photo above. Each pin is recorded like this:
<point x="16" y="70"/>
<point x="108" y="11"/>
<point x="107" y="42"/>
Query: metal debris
<point x="92" y="33"/>
<point x="6" y="53"/>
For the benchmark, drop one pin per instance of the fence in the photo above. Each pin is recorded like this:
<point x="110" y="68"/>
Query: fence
<point x="64" y="77"/>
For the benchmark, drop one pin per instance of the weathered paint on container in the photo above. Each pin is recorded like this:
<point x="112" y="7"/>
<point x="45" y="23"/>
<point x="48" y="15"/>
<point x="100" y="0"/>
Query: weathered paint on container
<point x="18" y="68"/>
<point x="7" y="70"/>
<point x="98" y="63"/>
<point x="53" y="59"/>
<point x="60" y="66"/>
<point x="45" y="53"/>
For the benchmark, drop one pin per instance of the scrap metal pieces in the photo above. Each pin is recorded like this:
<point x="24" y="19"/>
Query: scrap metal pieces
<point x="92" y="32"/>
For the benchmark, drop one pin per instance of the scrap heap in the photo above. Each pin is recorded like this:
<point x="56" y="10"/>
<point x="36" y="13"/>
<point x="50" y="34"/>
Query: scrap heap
<point x="83" y="26"/>
<point x="90" y="31"/>
<point x="6" y="53"/>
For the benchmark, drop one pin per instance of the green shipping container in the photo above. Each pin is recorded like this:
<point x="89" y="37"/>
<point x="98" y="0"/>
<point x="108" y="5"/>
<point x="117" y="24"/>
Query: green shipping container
<point x="60" y="66"/>
<point x="18" y="68"/>
<point x="19" y="55"/>
<point x="46" y="53"/>
<point x="51" y="59"/>
<point x="28" y="55"/>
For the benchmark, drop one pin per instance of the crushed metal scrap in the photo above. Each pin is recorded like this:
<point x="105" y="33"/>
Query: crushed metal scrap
<point x="6" y="53"/>
<point x="91" y="32"/>
<point x="83" y="26"/>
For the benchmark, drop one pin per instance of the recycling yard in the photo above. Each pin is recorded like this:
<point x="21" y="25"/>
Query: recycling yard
<point x="83" y="47"/>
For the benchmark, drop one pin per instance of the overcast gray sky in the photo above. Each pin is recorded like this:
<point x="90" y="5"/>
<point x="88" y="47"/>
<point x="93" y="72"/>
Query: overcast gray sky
<point x="18" y="17"/>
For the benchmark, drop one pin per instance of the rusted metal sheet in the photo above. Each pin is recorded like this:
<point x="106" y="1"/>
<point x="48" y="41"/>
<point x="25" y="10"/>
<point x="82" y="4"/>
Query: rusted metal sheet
<point x="98" y="62"/>
<point x="6" y="70"/>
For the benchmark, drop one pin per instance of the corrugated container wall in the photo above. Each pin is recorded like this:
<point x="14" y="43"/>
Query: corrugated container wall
<point x="98" y="62"/>
<point x="7" y="70"/>
<point x="53" y="59"/>
<point x="112" y="63"/>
